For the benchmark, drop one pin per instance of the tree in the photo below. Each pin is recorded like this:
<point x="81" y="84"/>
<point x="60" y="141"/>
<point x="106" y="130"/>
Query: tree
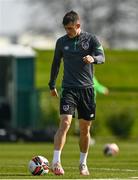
<point x="114" y="21"/>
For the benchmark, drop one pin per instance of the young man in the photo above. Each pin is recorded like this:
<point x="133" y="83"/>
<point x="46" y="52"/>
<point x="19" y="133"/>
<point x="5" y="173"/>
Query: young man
<point x="79" y="50"/>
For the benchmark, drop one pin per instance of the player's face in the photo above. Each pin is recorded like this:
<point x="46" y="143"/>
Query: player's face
<point x="72" y="29"/>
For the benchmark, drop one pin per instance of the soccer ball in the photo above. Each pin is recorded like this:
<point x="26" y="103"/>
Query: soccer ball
<point x="111" y="149"/>
<point x="39" y="165"/>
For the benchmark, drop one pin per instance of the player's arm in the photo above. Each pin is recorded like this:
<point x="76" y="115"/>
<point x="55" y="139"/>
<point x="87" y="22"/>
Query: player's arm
<point x="55" y="68"/>
<point x="97" y="55"/>
<point x="99" y="87"/>
<point x="97" y="51"/>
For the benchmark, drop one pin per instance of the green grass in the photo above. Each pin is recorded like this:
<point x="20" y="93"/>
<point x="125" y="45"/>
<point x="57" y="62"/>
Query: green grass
<point x="43" y="67"/>
<point x="116" y="102"/>
<point x="119" y="74"/>
<point x="119" y="70"/>
<point x="15" y="157"/>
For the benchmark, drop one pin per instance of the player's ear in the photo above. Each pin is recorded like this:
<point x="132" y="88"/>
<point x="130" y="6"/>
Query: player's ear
<point x="78" y="25"/>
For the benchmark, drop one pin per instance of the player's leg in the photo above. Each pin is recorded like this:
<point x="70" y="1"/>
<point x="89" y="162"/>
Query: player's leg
<point x="86" y="113"/>
<point x="84" y="145"/>
<point x="84" y="135"/>
<point x="67" y="108"/>
<point x="60" y="136"/>
<point x="59" y="141"/>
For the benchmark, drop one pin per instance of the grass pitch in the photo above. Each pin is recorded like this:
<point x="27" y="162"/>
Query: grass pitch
<point x="14" y="159"/>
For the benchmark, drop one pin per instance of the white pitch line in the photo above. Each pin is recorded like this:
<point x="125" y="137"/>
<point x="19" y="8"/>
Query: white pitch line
<point x="99" y="169"/>
<point x="112" y="169"/>
<point x="75" y="179"/>
<point x="76" y="168"/>
<point x="108" y="169"/>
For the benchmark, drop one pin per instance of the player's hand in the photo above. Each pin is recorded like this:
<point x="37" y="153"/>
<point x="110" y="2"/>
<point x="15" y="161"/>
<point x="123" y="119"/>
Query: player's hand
<point x="106" y="92"/>
<point x="54" y="92"/>
<point x="88" y="59"/>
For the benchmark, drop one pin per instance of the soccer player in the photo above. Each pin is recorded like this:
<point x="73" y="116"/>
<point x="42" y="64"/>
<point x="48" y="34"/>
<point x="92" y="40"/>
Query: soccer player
<point x="98" y="87"/>
<point x="79" y="51"/>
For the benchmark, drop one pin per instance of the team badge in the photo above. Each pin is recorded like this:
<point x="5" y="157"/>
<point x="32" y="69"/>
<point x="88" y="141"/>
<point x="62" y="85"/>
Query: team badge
<point x="85" y="45"/>
<point x="65" y="107"/>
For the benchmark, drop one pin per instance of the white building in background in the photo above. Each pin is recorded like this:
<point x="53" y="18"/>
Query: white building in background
<point x="14" y="16"/>
<point x="37" y="41"/>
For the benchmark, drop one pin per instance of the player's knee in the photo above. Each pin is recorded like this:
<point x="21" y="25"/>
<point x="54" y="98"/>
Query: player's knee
<point x="65" y="124"/>
<point x="84" y="131"/>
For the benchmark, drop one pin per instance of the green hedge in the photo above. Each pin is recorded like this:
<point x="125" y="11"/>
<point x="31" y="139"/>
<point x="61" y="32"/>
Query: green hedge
<point x="119" y="74"/>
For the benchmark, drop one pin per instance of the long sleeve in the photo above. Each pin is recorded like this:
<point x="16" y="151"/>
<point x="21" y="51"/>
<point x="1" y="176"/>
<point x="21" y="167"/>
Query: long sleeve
<point x="97" y="51"/>
<point x="55" y="65"/>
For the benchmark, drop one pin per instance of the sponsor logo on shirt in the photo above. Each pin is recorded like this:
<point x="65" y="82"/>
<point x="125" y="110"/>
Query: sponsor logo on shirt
<point x="66" y="47"/>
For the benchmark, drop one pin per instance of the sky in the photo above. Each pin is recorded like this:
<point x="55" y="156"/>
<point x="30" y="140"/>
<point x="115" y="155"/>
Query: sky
<point x="12" y="16"/>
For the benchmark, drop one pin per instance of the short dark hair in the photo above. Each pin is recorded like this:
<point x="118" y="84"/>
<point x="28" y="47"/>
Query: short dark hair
<point x="71" y="16"/>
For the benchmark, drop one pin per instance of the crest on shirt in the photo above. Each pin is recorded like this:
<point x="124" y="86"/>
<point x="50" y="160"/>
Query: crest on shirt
<point x="85" y="45"/>
<point x="65" y="107"/>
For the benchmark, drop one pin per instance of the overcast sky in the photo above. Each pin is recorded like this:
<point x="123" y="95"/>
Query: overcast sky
<point x="12" y="16"/>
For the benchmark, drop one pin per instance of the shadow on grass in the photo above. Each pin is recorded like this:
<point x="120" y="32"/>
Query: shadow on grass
<point x="15" y="174"/>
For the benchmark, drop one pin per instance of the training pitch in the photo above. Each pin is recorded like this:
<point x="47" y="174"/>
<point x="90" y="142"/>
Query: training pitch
<point x="14" y="158"/>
